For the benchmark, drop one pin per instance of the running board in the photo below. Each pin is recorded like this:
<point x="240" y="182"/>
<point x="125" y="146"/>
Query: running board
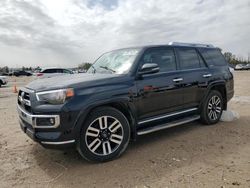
<point x="168" y="125"/>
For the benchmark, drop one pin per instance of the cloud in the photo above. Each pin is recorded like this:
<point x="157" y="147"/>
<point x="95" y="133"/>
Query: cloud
<point x="66" y="32"/>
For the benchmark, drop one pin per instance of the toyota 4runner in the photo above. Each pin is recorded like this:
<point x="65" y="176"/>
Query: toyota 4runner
<point x="126" y="93"/>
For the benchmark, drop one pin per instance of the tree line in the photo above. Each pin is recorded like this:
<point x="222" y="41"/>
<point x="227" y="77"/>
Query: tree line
<point x="234" y="60"/>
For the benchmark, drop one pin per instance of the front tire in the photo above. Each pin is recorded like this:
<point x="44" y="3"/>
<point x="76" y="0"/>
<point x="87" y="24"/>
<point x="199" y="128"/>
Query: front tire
<point x="104" y="135"/>
<point x="211" y="109"/>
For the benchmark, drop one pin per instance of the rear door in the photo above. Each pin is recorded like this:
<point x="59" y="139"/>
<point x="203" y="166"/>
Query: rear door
<point x="158" y="93"/>
<point x="195" y="74"/>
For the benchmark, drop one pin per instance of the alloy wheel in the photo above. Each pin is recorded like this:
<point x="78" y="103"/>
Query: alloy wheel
<point x="104" y="135"/>
<point x="214" y="108"/>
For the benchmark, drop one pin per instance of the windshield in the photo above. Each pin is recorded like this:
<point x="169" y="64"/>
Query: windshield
<point x="115" y="62"/>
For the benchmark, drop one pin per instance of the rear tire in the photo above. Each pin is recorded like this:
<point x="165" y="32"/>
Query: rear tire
<point x="104" y="136"/>
<point x="212" y="108"/>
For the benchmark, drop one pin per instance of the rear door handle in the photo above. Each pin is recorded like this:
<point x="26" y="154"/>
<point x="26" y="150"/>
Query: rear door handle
<point x="178" y="79"/>
<point x="207" y="75"/>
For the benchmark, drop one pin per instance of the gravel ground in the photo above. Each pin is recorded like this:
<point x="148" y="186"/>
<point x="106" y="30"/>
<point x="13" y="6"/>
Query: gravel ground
<point x="190" y="155"/>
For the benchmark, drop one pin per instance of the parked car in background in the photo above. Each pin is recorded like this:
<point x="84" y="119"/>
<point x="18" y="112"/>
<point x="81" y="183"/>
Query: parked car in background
<point x="21" y="73"/>
<point x="3" y="80"/>
<point x="238" y="67"/>
<point x="248" y="66"/>
<point x="52" y="72"/>
<point x="5" y="74"/>
<point x="242" y="67"/>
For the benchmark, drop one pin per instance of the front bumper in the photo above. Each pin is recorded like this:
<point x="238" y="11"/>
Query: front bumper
<point x="47" y="136"/>
<point x="32" y="119"/>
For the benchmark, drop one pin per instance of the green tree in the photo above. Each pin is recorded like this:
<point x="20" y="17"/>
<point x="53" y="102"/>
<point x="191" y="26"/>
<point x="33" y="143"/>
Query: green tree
<point x="228" y="56"/>
<point x="84" y="66"/>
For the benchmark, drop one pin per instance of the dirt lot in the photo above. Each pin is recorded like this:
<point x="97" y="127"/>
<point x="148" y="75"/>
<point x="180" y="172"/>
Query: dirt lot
<point x="191" y="155"/>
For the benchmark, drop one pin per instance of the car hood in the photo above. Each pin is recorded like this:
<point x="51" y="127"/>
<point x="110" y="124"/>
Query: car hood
<point x="65" y="81"/>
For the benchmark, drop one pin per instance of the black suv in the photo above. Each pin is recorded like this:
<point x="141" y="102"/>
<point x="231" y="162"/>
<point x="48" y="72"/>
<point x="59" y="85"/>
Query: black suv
<point x="126" y="93"/>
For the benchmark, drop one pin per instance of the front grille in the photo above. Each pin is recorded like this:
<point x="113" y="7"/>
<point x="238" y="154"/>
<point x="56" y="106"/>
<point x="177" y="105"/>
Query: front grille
<point x="24" y="100"/>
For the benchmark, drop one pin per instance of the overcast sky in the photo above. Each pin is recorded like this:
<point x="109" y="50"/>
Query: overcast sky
<point x="67" y="32"/>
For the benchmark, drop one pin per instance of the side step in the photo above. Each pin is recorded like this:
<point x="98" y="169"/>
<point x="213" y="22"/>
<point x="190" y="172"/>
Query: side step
<point x="168" y="125"/>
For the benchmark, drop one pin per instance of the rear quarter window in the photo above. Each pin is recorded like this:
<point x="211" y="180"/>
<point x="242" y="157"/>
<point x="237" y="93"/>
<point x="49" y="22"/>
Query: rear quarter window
<point x="213" y="57"/>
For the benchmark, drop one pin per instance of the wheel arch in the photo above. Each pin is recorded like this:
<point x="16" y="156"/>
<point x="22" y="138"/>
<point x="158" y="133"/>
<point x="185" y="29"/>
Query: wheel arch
<point x="124" y="106"/>
<point x="219" y="86"/>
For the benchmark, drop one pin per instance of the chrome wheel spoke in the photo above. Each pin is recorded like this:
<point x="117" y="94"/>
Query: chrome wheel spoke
<point x="210" y="106"/>
<point x="91" y="131"/>
<point x="213" y="100"/>
<point x="114" y="126"/>
<point x="103" y="122"/>
<point x="106" y="148"/>
<point x="217" y="102"/>
<point x="215" y="115"/>
<point x="94" y="145"/>
<point x="116" y="138"/>
<point x="210" y="114"/>
<point x="218" y="109"/>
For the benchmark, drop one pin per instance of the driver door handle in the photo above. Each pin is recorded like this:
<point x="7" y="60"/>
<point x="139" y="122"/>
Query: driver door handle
<point x="178" y="79"/>
<point x="207" y="75"/>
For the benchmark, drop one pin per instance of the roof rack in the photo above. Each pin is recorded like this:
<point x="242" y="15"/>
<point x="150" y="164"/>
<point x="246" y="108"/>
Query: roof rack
<point x="191" y="44"/>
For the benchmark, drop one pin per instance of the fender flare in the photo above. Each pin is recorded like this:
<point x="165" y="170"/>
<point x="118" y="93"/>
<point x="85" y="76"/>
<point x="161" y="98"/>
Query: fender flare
<point x="82" y="116"/>
<point x="209" y="88"/>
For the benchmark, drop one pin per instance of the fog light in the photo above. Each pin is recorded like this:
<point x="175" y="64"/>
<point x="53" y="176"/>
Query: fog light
<point x="52" y="121"/>
<point x="45" y="121"/>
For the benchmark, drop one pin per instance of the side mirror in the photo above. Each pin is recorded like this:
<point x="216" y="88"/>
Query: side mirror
<point x="149" y="68"/>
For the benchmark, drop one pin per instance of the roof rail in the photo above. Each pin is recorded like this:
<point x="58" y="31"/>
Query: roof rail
<point x="191" y="44"/>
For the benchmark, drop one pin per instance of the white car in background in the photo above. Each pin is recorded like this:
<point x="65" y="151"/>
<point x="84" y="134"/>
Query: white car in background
<point x="52" y="72"/>
<point x="239" y="67"/>
<point x="3" y="80"/>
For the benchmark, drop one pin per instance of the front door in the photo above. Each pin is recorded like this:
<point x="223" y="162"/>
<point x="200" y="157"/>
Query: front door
<point x="159" y="93"/>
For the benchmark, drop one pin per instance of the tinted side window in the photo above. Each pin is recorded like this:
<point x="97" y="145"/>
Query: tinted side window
<point x="213" y="57"/>
<point x="66" y="71"/>
<point x="52" y="71"/>
<point x="47" y="71"/>
<point x="188" y="58"/>
<point x="59" y="70"/>
<point x="165" y="59"/>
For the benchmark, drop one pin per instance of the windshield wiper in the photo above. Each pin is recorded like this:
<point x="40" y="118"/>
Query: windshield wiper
<point x="105" y="67"/>
<point x="91" y="65"/>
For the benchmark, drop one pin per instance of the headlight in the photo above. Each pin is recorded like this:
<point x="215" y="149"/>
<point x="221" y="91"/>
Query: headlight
<point x="55" y="96"/>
